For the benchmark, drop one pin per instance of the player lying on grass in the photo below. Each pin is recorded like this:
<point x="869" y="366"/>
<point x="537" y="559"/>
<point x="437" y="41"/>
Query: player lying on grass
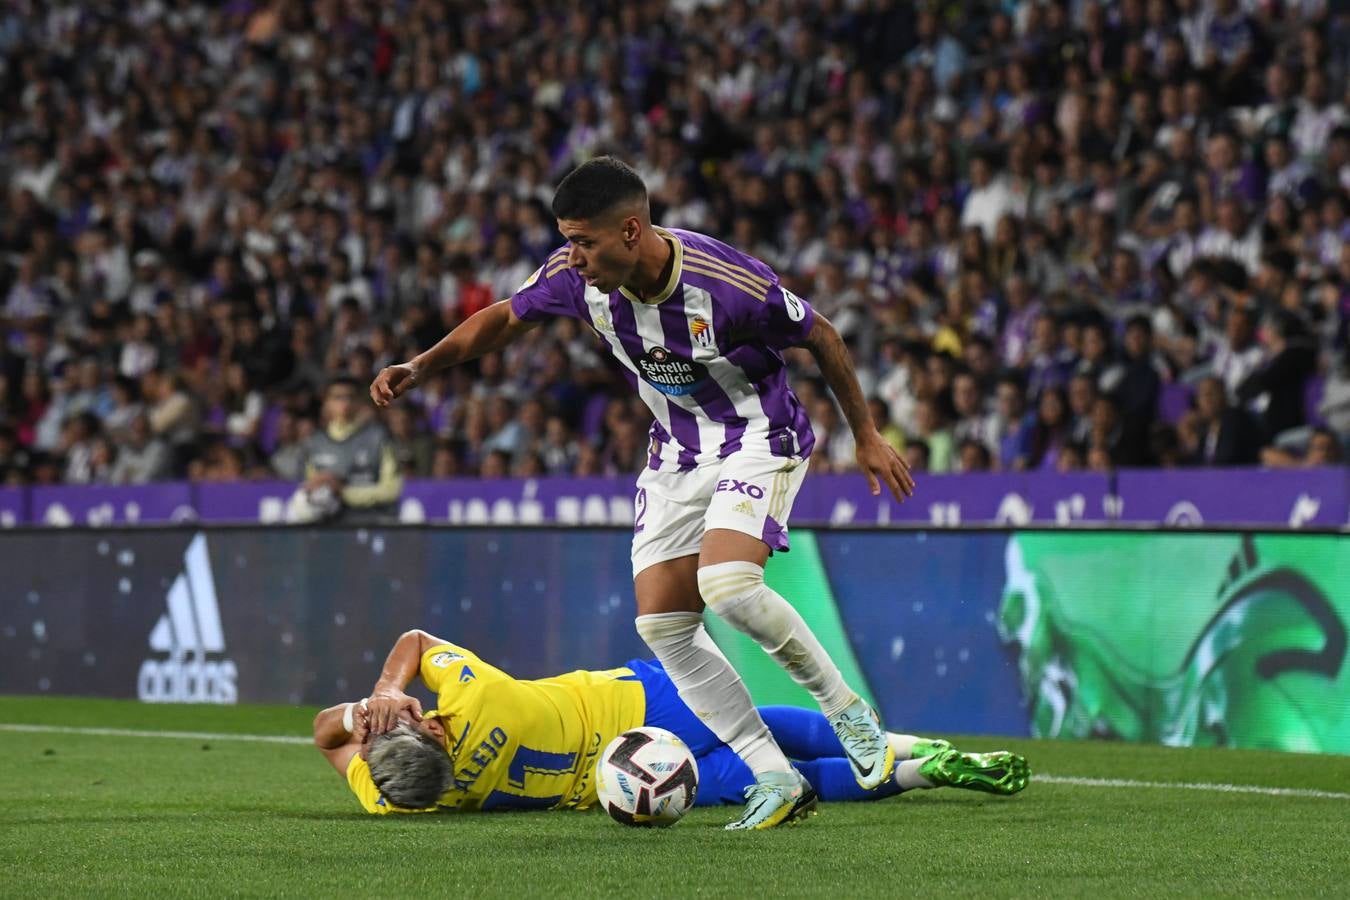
<point x="495" y="742"/>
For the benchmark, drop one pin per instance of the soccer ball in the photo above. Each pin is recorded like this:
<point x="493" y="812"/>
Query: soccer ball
<point x="646" y="778"/>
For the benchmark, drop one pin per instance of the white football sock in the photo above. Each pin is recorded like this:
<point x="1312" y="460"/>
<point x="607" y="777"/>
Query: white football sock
<point x="908" y="777"/>
<point x="710" y="687"/>
<point x="736" y="591"/>
<point x="902" y="745"/>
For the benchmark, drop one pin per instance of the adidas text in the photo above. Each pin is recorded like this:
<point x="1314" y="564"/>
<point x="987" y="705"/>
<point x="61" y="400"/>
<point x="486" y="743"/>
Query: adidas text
<point x="187" y="632"/>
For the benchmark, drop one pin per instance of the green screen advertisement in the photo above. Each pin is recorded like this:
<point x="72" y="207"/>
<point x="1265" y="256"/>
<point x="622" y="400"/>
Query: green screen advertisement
<point x="1182" y="639"/>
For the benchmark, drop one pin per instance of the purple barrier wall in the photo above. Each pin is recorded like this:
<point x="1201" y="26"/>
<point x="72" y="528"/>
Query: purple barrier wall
<point x="11" y="507"/>
<point x="1304" y="497"/>
<point x="249" y="501"/>
<point x="1298" y="497"/>
<point x="62" y="505"/>
<point x="1004" y="498"/>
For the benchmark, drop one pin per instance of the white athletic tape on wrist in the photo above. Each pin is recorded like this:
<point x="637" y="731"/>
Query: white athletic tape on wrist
<point x="348" y="719"/>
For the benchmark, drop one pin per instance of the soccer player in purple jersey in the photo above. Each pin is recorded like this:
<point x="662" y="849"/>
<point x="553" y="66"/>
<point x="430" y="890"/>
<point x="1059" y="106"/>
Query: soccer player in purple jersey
<point x="700" y="328"/>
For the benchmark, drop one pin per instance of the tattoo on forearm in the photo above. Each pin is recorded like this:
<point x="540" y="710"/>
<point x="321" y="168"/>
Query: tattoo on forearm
<point x="837" y="367"/>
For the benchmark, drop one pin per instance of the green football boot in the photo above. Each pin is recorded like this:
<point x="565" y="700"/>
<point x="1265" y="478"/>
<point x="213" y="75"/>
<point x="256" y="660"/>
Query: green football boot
<point x="999" y="772"/>
<point x="926" y="747"/>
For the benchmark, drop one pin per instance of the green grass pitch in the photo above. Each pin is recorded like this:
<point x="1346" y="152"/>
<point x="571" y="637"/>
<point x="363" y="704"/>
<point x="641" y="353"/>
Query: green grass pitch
<point x="119" y="816"/>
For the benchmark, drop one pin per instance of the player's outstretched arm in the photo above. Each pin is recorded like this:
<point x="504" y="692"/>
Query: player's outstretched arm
<point x="877" y="458"/>
<point x="486" y="331"/>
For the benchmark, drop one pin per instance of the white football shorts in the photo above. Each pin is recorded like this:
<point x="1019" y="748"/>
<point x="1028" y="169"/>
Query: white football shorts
<point x="752" y="494"/>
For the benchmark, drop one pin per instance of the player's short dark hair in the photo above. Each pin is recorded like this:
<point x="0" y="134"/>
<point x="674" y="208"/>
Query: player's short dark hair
<point x="410" y="767"/>
<point x="595" y="187"/>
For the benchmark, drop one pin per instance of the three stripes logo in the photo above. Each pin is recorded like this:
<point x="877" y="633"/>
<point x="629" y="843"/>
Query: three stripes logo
<point x="188" y="632"/>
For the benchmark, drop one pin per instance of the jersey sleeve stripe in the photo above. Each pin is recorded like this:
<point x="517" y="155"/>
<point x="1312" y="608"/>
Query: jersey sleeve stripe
<point x="731" y="268"/>
<point x="759" y="294"/>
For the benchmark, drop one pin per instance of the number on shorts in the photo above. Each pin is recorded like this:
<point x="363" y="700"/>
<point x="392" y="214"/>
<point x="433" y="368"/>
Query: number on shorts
<point x="640" y="506"/>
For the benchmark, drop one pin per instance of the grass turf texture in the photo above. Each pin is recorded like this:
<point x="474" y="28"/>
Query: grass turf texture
<point x="136" y="817"/>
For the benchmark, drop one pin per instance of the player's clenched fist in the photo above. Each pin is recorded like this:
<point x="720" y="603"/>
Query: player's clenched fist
<point x="392" y="382"/>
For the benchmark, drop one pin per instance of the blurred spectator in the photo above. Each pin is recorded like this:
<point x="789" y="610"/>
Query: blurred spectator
<point x="1238" y="354"/>
<point x="1335" y="405"/>
<point x="413" y="448"/>
<point x="1110" y="435"/>
<point x="1136" y="381"/>
<point x="1050" y="363"/>
<point x="1049" y="433"/>
<point x="889" y="431"/>
<point x="174" y="413"/>
<point x="142" y="457"/>
<point x="1323" y="449"/>
<point x="1216" y="434"/>
<point x="834" y="441"/>
<point x="13" y="458"/>
<point x="973" y="456"/>
<point x="1275" y="390"/>
<point x="557" y="449"/>
<point x="1082" y="395"/>
<point x="916" y="455"/>
<point x="1012" y="423"/>
<point x="351" y="471"/>
<point x="930" y="427"/>
<point x="288" y="458"/>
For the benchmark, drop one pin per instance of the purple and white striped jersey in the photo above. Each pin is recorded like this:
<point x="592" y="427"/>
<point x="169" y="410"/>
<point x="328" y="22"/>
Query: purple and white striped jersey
<point x="704" y="353"/>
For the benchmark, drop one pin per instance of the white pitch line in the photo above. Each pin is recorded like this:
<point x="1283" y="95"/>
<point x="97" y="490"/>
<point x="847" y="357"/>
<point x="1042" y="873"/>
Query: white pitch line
<point x="128" y="732"/>
<point x="1189" y="786"/>
<point x="1073" y="780"/>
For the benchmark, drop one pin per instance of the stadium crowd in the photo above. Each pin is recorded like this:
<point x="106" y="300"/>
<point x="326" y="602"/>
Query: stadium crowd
<point x="1056" y="235"/>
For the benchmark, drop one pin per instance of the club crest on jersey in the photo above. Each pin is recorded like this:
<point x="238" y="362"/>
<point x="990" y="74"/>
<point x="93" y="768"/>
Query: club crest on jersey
<point x="602" y="324"/>
<point x="671" y="375"/>
<point x="700" y="329"/>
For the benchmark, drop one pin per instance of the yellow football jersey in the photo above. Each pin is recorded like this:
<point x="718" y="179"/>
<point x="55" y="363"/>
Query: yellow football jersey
<point x="518" y="744"/>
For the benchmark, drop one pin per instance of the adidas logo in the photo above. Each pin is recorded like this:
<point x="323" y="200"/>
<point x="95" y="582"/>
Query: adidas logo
<point x="187" y="633"/>
<point x="744" y="507"/>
